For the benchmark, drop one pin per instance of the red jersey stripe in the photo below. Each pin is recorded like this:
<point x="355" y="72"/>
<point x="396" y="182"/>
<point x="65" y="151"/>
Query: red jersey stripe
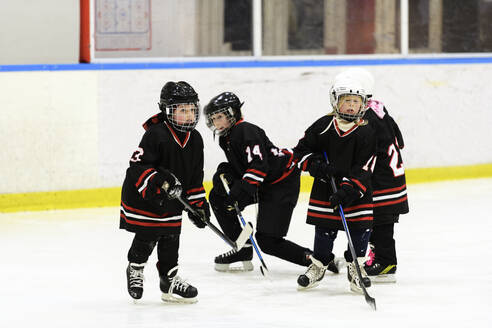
<point x="144" y="212"/>
<point x="383" y="191"/>
<point x="361" y="186"/>
<point x="195" y="190"/>
<point x="151" y="224"/>
<point x="142" y="176"/>
<point x="338" y="218"/>
<point x="391" y="202"/>
<point x="257" y="172"/>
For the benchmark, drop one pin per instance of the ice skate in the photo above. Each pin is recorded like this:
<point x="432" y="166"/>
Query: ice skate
<point x="176" y="290"/>
<point x="234" y="261"/>
<point x="381" y="273"/>
<point x="312" y="277"/>
<point x="353" y="277"/>
<point x="134" y="279"/>
<point x="332" y="266"/>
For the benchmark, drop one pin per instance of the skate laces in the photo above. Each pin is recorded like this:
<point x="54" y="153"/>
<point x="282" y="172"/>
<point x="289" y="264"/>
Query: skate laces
<point x="353" y="271"/>
<point x="136" y="277"/>
<point x="178" y="284"/>
<point x="314" y="272"/>
<point x="227" y="254"/>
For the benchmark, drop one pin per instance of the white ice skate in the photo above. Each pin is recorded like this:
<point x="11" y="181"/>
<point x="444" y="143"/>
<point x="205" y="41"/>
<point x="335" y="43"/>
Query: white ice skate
<point x="312" y="277"/>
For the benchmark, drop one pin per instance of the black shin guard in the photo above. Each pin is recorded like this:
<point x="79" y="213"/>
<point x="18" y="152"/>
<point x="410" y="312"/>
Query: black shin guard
<point x="167" y="253"/>
<point x="142" y="247"/>
<point x="283" y="248"/>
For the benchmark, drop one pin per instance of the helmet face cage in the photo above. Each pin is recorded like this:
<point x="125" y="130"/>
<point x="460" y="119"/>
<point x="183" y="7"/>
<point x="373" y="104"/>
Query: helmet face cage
<point x="337" y="93"/>
<point x="172" y="111"/>
<point x="229" y="113"/>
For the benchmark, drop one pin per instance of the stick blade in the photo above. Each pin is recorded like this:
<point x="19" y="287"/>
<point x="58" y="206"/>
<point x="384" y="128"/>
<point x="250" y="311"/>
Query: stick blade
<point x="371" y="301"/>
<point x="244" y="235"/>
<point x="264" y="271"/>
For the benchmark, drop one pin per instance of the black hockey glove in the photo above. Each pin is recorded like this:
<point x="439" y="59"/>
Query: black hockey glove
<point x="225" y="169"/>
<point x="153" y="191"/>
<point x="345" y="196"/>
<point x="242" y="193"/>
<point x="318" y="168"/>
<point x="202" y="209"/>
<point x="170" y="183"/>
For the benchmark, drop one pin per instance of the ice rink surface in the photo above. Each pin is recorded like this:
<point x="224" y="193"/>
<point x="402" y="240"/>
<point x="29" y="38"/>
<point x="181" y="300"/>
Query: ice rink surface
<point x="67" y="269"/>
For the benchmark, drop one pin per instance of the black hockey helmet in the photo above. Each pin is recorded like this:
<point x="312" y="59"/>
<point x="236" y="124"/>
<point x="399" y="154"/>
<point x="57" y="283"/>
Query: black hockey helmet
<point x="227" y="103"/>
<point x="179" y="94"/>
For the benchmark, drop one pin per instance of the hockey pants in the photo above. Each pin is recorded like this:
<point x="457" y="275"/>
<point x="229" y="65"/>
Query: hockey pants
<point x="271" y="242"/>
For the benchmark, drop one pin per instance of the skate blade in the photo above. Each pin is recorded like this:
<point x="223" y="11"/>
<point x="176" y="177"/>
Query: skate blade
<point x="383" y="279"/>
<point x="356" y="289"/>
<point x="246" y="266"/>
<point x="177" y="299"/>
<point x="301" y="288"/>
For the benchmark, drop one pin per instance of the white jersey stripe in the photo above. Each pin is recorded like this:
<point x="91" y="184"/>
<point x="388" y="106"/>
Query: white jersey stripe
<point x="330" y="210"/>
<point x="202" y="195"/>
<point x="144" y="217"/>
<point x="299" y="165"/>
<point x="351" y="215"/>
<point x="320" y="209"/>
<point x="252" y="176"/>
<point x="146" y="181"/>
<point x="398" y="195"/>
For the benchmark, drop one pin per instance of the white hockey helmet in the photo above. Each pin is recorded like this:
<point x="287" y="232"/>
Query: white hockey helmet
<point x="347" y="86"/>
<point x="360" y="74"/>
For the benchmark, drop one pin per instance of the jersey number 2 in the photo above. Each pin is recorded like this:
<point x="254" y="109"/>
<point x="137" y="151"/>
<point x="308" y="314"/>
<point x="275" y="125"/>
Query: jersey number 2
<point x="397" y="169"/>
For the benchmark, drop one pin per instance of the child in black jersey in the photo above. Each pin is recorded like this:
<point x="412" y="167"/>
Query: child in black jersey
<point x="339" y="145"/>
<point x="388" y="182"/>
<point x="171" y="153"/>
<point x="258" y="172"/>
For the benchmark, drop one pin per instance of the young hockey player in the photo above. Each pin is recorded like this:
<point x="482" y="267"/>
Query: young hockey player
<point x="349" y="145"/>
<point x="258" y="172"/>
<point x="388" y="183"/>
<point x="170" y="153"/>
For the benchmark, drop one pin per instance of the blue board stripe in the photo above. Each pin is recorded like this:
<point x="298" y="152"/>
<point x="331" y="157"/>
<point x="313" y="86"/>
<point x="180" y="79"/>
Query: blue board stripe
<point x="246" y="64"/>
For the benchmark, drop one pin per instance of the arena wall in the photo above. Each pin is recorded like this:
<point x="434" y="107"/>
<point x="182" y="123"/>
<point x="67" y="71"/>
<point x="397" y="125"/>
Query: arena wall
<point x="76" y="129"/>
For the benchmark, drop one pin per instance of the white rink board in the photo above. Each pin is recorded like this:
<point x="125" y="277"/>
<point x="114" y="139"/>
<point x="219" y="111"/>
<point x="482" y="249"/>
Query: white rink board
<point x="74" y="130"/>
<point x="67" y="269"/>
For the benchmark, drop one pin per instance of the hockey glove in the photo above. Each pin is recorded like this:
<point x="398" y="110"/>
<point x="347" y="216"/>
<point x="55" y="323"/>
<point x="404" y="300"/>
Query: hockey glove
<point x="153" y="191"/>
<point x="170" y="184"/>
<point x="345" y="196"/>
<point x="202" y="209"/>
<point x="242" y="193"/>
<point x="226" y="170"/>
<point x="320" y="169"/>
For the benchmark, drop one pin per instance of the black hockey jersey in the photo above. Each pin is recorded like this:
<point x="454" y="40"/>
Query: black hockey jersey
<point x="161" y="147"/>
<point x="253" y="156"/>
<point x="353" y="154"/>
<point x="388" y="179"/>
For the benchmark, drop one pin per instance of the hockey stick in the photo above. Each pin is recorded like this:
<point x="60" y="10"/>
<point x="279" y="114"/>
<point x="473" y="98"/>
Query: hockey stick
<point x="370" y="300"/>
<point x="236" y="245"/>
<point x="263" y="267"/>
